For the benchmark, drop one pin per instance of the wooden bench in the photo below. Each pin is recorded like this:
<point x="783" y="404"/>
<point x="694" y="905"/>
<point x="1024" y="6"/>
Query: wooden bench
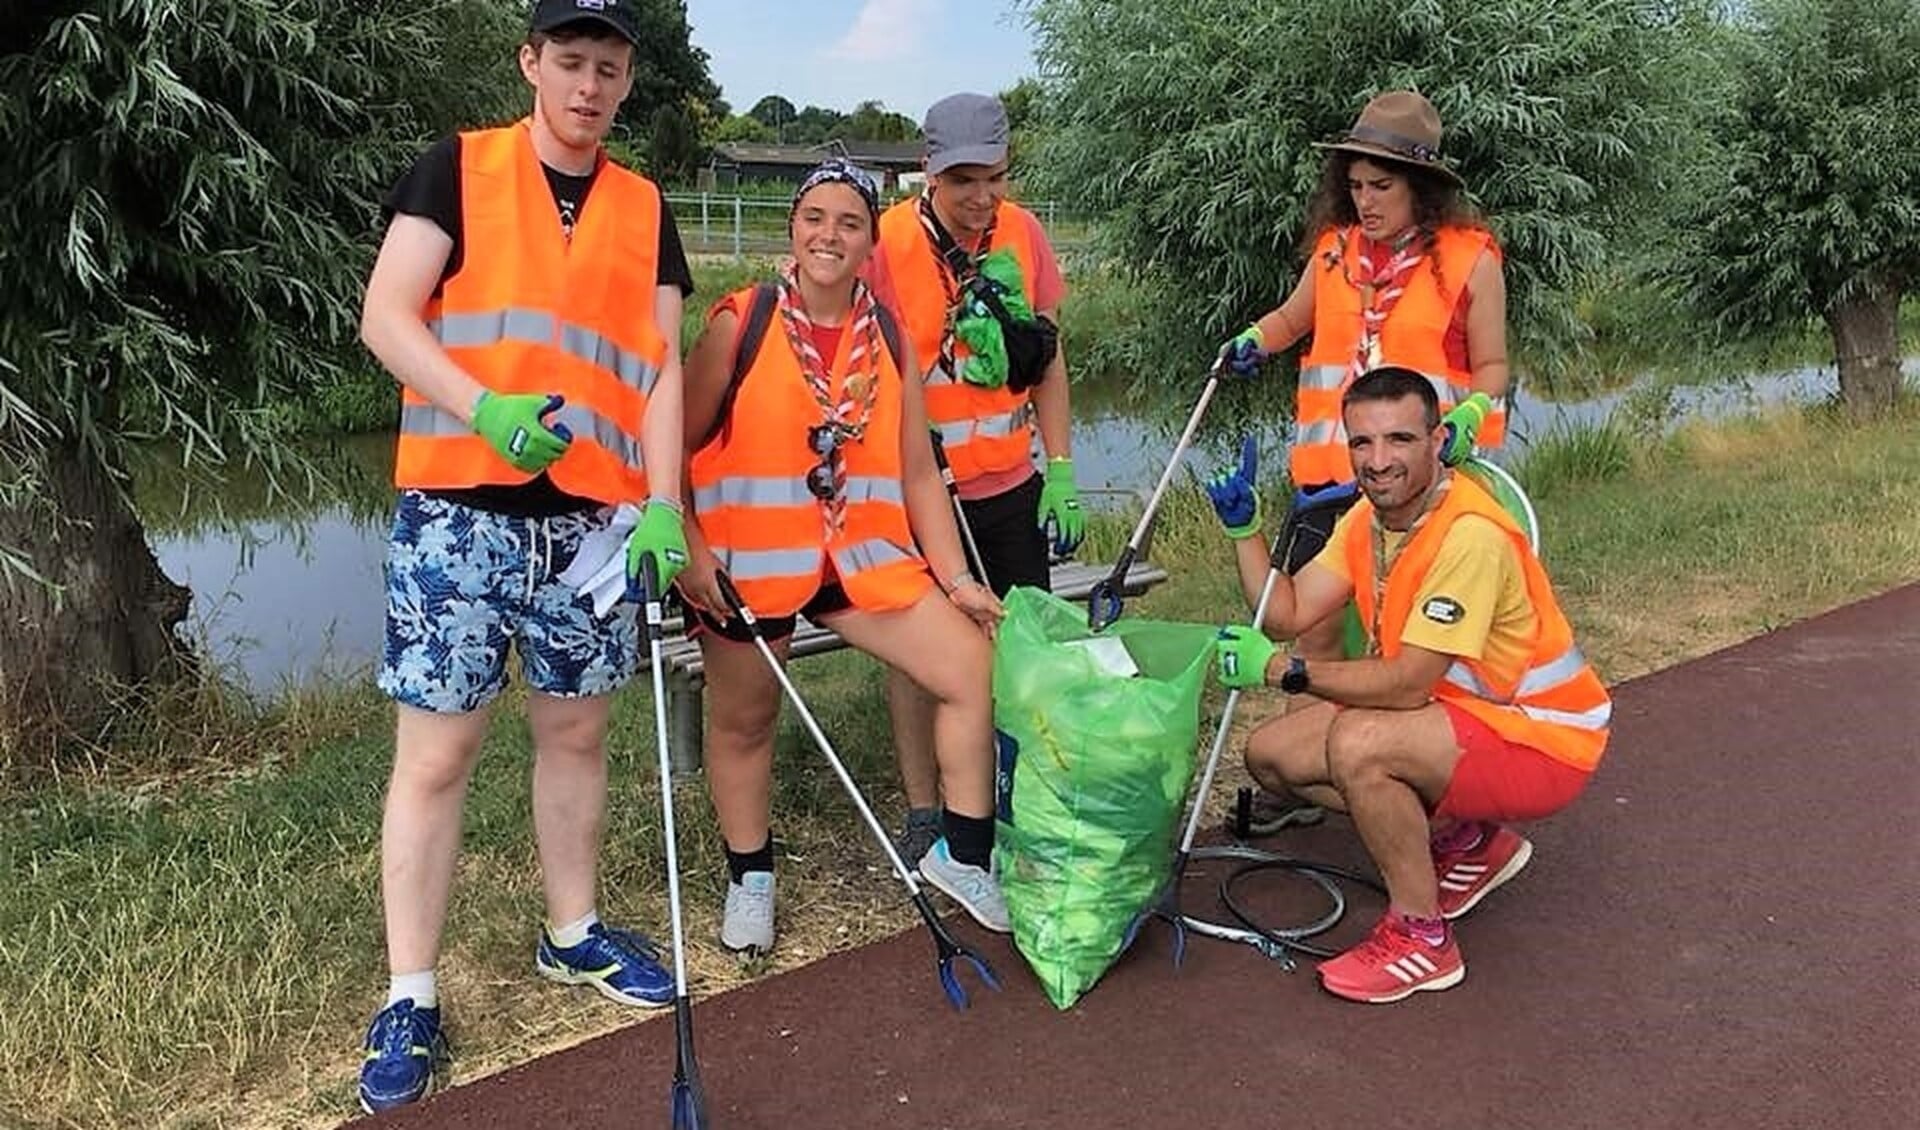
<point x="685" y="675"/>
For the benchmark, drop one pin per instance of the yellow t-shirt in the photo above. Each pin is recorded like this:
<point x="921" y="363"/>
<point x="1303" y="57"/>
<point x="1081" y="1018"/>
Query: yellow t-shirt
<point x="1473" y="602"/>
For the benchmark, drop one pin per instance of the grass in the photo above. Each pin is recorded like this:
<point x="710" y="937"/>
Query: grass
<point x="199" y="945"/>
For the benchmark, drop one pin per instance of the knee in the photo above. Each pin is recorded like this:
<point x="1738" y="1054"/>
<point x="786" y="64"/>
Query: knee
<point x="965" y="674"/>
<point x="422" y="769"/>
<point x="740" y="723"/>
<point x="1357" y="750"/>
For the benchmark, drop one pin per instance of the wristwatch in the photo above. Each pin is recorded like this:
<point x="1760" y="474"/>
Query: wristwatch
<point x="1295" y="680"/>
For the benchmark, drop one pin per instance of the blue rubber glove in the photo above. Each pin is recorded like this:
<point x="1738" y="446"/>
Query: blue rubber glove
<point x="513" y="425"/>
<point x="661" y="534"/>
<point x="1241" y="654"/>
<point x="1234" y="493"/>
<point x="1244" y="353"/>
<point x="1462" y="424"/>
<point x="1060" y="513"/>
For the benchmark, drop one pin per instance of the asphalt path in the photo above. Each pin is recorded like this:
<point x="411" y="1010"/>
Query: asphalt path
<point x="1720" y="933"/>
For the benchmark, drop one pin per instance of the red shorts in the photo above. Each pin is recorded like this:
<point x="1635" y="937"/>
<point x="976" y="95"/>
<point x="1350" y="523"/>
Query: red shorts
<point x="1502" y="781"/>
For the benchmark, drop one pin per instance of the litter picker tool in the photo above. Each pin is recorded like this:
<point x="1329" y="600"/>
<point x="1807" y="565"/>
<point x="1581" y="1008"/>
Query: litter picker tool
<point x="689" y="1103"/>
<point x="1103" y="602"/>
<point x="974" y="560"/>
<point x="947" y="948"/>
<point x="1166" y="903"/>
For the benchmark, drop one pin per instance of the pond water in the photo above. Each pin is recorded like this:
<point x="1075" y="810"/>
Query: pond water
<point x="297" y="594"/>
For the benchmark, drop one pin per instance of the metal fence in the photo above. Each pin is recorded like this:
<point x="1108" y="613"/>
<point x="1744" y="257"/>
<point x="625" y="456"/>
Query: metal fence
<point x="714" y="223"/>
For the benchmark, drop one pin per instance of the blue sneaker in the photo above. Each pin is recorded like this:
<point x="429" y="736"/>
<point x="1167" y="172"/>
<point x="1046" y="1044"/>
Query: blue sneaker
<point x="620" y="964"/>
<point x="404" y="1047"/>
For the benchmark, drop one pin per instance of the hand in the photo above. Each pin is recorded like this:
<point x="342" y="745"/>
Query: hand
<point x="661" y="535"/>
<point x="1060" y="512"/>
<point x="700" y="583"/>
<point x="1462" y="423"/>
<point x="1242" y="655"/>
<point x="512" y="425"/>
<point x="1235" y="497"/>
<point x="1243" y="354"/>
<point x="979" y="603"/>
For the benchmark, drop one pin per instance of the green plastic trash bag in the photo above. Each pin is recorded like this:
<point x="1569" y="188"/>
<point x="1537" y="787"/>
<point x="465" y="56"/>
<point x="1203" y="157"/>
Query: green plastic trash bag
<point x="1094" y="766"/>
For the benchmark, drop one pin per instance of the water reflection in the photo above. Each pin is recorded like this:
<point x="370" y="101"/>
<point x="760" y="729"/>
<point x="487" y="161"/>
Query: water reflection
<point x="285" y="592"/>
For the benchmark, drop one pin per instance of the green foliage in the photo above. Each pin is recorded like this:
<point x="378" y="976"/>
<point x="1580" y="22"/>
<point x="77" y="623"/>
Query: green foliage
<point x="1186" y="125"/>
<point x="773" y="112"/>
<point x="1814" y="194"/>
<point x="739" y="127"/>
<point x="1569" y="455"/>
<point x="193" y="190"/>
<point x="675" y="146"/>
<point x="668" y="70"/>
<point x="872" y="121"/>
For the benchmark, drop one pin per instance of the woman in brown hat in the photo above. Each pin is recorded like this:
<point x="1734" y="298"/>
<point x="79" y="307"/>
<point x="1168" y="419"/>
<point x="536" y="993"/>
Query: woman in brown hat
<point x="1401" y="271"/>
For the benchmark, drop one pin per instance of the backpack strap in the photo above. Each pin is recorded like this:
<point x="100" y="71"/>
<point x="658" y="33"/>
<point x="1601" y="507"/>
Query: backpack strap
<point x="746" y="347"/>
<point x="890" y="332"/>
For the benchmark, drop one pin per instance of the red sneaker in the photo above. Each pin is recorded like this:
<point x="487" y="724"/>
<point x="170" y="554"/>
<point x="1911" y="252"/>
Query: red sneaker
<point x="1467" y="877"/>
<point x="1392" y="964"/>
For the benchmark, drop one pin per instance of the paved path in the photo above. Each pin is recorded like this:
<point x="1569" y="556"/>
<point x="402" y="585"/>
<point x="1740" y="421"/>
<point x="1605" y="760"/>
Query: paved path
<point x="1721" y="933"/>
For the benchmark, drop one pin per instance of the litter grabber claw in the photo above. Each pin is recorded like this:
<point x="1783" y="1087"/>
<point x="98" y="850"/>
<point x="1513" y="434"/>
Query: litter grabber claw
<point x="1104" y="599"/>
<point x="1165" y="907"/>
<point x="946" y="947"/>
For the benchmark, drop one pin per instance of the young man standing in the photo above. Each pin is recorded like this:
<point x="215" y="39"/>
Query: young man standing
<point x="1473" y="708"/>
<point x="984" y="421"/>
<point x="527" y="297"/>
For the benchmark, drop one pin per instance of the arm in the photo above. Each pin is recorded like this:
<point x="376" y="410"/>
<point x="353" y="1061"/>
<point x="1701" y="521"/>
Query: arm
<point x="1487" y="326"/>
<point x="662" y="446"/>
<point x="1287" y="323"/>
<point x="411" y="259"/>
<point x="929" y="510"/>
<point x="709" y="369"/>
<point x="1298" y="602"/>
<point x="1404" y="682"/>
<point x="1051" y="407"/>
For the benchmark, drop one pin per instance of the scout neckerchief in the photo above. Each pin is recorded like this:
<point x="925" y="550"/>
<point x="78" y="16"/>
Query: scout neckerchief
<point x="1385" y="270"/>
<point x="848" y="411"/>
<point x="945" y="249"/>
<point x="1383" y="561"/>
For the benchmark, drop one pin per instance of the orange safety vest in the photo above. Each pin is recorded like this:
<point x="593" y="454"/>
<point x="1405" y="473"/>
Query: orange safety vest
<point x="1558" y="705"/>
<point x="750" y="490"/>
<point x="985" y="430"/>
<point x="1414" y="336"/>
<point x="530" y="311"/>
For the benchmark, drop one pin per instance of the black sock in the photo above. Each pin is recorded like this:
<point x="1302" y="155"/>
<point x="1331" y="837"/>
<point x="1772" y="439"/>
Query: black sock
<point x="741" y="862"/>
<point x="969" y="838"/>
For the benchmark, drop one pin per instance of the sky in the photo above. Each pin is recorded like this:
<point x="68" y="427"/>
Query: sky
<point x="907" y="54"/>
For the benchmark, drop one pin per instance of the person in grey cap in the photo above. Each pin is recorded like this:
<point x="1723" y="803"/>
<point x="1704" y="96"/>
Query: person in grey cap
<point x="513" y="449"/>
<point x="991" y="381"/>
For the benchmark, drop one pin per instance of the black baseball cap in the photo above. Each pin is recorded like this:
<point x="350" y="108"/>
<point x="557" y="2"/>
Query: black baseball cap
<point x="616" y="14"/>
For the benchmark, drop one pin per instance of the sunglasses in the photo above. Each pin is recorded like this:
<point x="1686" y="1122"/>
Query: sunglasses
<point x="823" y="440"/>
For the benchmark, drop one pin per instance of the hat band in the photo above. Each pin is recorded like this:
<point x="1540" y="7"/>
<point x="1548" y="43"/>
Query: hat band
<point x="1399" y="143"/>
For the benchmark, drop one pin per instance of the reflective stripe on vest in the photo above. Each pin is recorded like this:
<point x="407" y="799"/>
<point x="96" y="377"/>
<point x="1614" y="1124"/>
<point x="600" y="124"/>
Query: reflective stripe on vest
<point x="985" y="431"/>
<point x="750" y="496"/>
<point x="1414" y="336"/>
<point x="532" y="312"/>
<point x="1557" y="704"/>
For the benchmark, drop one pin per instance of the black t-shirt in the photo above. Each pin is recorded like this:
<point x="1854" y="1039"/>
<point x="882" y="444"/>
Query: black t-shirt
<point x="431" y="189"/>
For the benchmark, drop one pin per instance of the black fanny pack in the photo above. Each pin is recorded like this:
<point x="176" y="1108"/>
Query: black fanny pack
<point x="1032" y="343"/>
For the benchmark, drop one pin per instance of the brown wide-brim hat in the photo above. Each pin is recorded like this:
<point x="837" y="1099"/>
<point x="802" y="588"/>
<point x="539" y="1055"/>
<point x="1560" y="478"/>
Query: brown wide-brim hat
<point x="1398" y="126"/>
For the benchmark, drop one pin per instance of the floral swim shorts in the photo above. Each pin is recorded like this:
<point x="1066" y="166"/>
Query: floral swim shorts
<point x="465" y="585"/>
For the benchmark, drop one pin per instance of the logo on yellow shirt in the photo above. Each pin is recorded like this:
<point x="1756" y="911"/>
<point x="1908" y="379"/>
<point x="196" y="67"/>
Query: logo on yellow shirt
<point x="1443" y="610"/>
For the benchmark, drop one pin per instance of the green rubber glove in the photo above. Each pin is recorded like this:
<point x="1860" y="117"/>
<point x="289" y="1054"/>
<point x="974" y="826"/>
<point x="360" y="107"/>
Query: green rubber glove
<point x="511" y="424"/>
<point x="1462" y="424"/>
<point x="1060" y="513"/>
<point x="1242" y="654"/>
<point x="1241" y="355"/>
<point x="662" y="533"/>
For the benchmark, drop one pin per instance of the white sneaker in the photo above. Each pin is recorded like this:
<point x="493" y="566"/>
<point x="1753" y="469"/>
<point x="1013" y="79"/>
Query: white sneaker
<point x="747" y="926"/>
<point x="974" y="888"/>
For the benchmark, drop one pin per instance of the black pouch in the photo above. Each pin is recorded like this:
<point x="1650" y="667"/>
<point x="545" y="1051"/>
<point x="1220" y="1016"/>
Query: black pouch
<point x="1032" y="343"/>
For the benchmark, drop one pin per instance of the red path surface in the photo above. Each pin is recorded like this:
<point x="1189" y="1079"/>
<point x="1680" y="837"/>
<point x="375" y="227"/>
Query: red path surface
<point x="1721" y="933"/>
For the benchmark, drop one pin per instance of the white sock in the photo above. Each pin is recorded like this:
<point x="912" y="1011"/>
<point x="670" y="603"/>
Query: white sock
<point x="573" y="933"/>
<point x="420" y="988"/>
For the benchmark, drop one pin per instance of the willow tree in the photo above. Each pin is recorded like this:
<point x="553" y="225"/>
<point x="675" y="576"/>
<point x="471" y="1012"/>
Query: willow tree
<point x="1186" y="125"/>
<point x="1811" y="204"/>
<point x="191" y="204"/>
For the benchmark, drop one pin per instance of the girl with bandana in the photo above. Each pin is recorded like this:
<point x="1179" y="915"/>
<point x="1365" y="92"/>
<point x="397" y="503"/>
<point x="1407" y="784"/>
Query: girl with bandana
<point x="814" y="488"/>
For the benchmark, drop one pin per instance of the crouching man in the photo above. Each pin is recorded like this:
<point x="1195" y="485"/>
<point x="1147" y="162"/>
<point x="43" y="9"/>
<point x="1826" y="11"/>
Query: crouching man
<point x="1473" y="708"/>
